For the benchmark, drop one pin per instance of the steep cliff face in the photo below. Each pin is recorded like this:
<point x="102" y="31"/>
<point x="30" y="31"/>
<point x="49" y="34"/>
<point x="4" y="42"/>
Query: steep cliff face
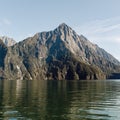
<point x="23" y="60"/>
<point x="3" y="52"/>
<point x="58" y="54"/>
<point x="86" y="51"/>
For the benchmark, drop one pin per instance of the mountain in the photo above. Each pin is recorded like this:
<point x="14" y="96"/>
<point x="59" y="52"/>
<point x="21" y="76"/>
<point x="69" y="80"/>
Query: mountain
<point x="7" y="41"/>
<point x="3" y="52"/>
<point x="58" y="54"/>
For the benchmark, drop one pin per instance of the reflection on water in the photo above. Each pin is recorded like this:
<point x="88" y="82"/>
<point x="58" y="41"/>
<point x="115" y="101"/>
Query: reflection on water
<point x="59" y="100"/>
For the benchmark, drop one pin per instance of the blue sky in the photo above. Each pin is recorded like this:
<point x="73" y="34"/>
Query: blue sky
<point x="98" y="20"/>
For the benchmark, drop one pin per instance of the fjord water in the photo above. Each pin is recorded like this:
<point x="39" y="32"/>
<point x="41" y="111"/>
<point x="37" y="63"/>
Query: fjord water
<point x="60" y="100"/>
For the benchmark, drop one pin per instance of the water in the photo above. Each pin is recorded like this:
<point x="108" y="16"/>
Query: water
<point x="60" y="100"/>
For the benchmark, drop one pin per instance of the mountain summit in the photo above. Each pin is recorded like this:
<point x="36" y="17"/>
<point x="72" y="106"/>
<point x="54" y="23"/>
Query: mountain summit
<point x="7" y="41"/>
<point x="64" y="27"/>
<point x="59" y="54"/>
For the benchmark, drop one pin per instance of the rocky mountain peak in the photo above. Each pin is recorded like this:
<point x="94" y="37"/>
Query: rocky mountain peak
<point x="7" y="41"/>
<point x="58" y="54"/>
<point x="64" y="26"/>
<point x="63" y="29"/>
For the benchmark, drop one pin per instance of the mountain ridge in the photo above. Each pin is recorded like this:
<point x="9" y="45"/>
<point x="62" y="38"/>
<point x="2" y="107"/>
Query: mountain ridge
<point x="8" y="41"/>
<point x="58" y="54"/>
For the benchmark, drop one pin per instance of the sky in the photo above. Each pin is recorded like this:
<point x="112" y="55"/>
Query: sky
<point x="97" y="20"/>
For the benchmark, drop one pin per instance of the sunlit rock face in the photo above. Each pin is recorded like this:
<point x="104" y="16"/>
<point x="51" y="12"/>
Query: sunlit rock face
<point x="7" y="41"/>
<point x="60" y="54"/>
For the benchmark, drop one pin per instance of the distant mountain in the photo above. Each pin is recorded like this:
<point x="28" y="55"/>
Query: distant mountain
<point x="59" y="54"/>
<point x="7" y="41"/>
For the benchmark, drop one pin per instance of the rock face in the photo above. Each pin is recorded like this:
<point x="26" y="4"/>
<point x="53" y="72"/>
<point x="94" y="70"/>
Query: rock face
<point x="59" y="54"/>
<point x="7" y="41"/>
<point x="3" y="52"/>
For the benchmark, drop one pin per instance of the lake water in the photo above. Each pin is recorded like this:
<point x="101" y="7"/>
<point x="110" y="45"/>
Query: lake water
<point x="60" y="100"/>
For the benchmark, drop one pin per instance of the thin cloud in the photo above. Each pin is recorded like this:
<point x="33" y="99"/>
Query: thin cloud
<point x="108" y="28"/>
<point x="105" y="33"/>
<point x="103" y="29"/>
<point x="6" y="22"/>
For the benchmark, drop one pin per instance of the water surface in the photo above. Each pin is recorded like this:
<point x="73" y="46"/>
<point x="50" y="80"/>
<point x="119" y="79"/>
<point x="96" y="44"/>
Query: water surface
<point x="60" y="100"/>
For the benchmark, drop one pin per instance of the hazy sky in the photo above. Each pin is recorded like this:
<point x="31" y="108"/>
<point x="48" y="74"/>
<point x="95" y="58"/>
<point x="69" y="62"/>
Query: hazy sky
<point x="98" y="20"/>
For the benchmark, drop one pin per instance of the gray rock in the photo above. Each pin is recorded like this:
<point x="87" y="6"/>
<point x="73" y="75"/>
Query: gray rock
<point x="7" y="41"/>
<point x="59" y="54"/>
